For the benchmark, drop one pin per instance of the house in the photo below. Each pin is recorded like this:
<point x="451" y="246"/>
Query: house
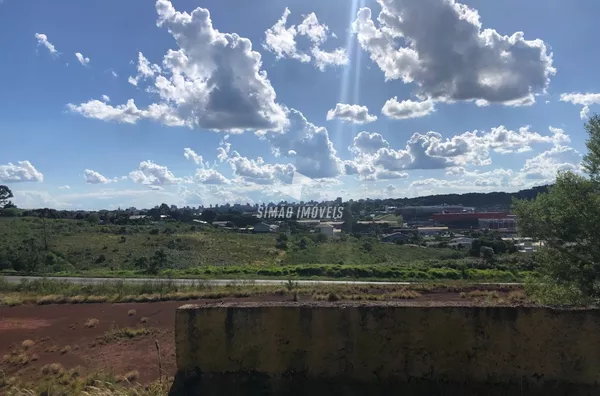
<point x="221" y="223"/>
<point x="326" y="229"/>
<point x="432" y="230"/>
<point x="396" y="237"/>
<point x="525" y="245"/>
<point x="463" y="242"/>
<point x="264" y="228"/>
<point x="308" y="223"/>
<point x="508" y="223"/>
<point x="335" y="224"/>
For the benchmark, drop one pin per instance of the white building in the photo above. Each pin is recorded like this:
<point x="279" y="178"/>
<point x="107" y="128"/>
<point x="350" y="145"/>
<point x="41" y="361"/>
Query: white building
<point x="525" y="245"/>
<point x="509" y="224"/>
<point x="432" y="230"/>
<point x="325" y="229"/>
<point x="408" y="211"/>
<point x="262" y="228"/>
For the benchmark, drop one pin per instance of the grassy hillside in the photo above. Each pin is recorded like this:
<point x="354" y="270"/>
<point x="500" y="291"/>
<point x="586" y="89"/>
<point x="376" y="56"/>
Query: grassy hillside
<point x="77" y="246"/>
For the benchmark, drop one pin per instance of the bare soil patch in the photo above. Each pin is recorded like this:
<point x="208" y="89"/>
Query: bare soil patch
<point x="75" y="335"/>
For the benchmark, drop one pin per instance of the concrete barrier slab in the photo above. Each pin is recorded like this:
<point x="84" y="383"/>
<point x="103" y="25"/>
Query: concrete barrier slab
<point x="343" y="348"/>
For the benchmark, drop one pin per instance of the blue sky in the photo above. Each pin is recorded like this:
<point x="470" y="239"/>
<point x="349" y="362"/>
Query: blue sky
<point x="109" y="104"/>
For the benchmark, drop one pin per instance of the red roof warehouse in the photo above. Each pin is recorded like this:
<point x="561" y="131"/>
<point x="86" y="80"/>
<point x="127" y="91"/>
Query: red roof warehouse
<point x="449" y="217"/>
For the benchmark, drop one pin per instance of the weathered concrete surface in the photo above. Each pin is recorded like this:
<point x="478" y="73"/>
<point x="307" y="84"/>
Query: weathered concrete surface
<point x="385" y="348"/>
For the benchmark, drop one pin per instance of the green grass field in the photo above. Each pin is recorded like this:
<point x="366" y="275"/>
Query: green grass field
<point x="181" y="250"/>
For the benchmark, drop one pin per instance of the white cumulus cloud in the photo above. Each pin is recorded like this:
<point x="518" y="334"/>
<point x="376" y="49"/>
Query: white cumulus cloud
<point x="441" y="46"/>
<point x="257" y="171"/>
<point x="407" y="108"/>
<point x="432" y="151"/>
<point x="191" y="155"/>
<point x="145" y="70"/>
<point x="42" y="39"/>
<point x="584" y="99"/>
<point x="210" y="176"/>
<point x="281" y="41"/>
<point x="368" y="143"/>
<point x="23" y="171"/>
<point x="82" y="59"/>
<point x="309" y="145"/>
<point x="212" y="81"/>
<point x="352" y="113"/>
<point x="150" y="173"/>
<point x="93" y="177"/>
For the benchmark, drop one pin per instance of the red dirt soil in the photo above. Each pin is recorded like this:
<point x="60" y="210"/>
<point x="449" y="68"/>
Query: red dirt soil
<point x="53" y="327"/>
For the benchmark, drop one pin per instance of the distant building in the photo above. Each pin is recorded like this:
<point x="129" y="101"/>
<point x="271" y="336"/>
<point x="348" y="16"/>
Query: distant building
<point x="335" y="224"/>
<point x="308" y="223"/>
<point x="262" y="228"/>
<point x="464" y="220"/>
<point x="417" y="211"/>
<point x="509" y="223"/>
<point x="221" y="223"/>
<point x="432" y="230"/>
<point x="461" y="243"/>
<point x="525" y="245"/>
<point x="326" y="229"/>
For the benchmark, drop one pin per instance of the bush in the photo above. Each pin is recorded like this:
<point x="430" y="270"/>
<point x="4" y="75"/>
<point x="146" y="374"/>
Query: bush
<point x="321" y="238"/>
<point x="282" y="245"/>
<point x="154" y="231"/>
<point x="303" y="243"/>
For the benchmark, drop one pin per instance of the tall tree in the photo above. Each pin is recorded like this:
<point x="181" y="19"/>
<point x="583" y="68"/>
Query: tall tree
<point x="566" y="220"/>
<point x="5" y="195"/>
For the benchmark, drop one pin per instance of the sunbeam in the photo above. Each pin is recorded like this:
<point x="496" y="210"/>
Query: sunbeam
<point x="345" y="85"/>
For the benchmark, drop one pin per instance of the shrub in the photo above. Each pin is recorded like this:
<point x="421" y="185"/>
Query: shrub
<point x="282" y="245"/>
<point x="321" y="238"/>
<point x="333" y="297"/>
<point x="303" y="243"/>
<point x="28" y="344"/>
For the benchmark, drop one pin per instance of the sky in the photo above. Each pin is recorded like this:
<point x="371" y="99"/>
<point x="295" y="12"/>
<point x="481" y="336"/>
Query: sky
<point x="118" y="104"/>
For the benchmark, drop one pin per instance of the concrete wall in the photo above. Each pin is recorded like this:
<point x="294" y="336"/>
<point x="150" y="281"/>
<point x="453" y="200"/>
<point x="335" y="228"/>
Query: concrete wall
<point x="378" y="349"/>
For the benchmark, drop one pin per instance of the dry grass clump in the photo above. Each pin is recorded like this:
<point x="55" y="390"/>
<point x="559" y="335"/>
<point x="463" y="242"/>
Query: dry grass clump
<point x="91" y="323"/>
<point x="28" y="344"/>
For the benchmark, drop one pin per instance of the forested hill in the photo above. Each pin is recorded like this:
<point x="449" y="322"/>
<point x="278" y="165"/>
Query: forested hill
<point x="479" y="200"/>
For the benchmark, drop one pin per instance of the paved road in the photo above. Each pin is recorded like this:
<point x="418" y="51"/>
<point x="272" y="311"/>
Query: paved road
<point x="219" y="282"/>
